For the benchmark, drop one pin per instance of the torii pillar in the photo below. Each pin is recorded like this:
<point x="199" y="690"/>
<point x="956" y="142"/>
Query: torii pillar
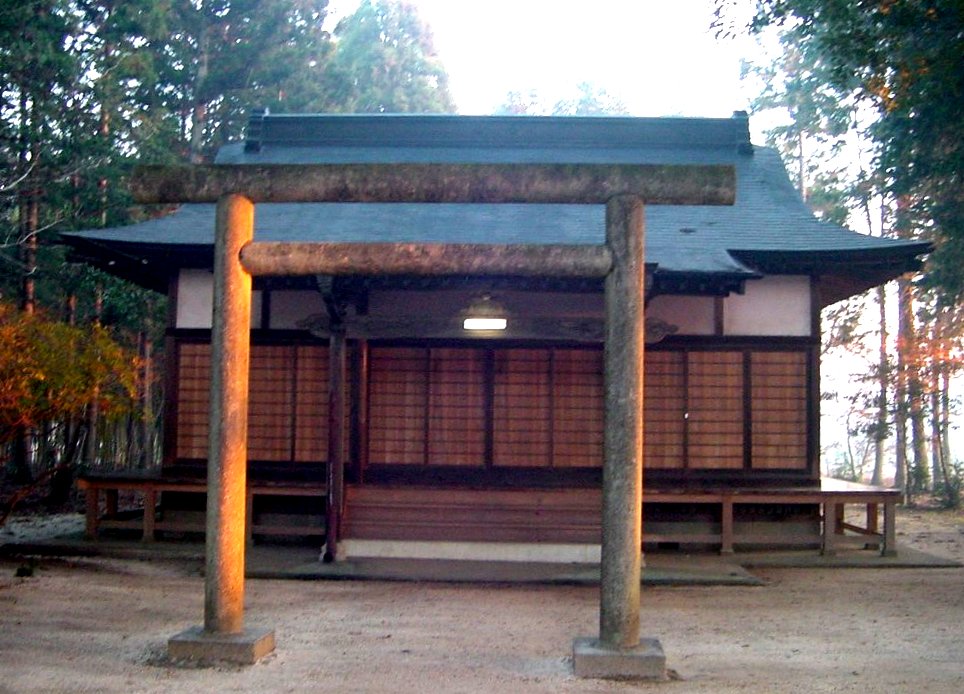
<point x="618" y="652"/>
<point x="223" y="636"/>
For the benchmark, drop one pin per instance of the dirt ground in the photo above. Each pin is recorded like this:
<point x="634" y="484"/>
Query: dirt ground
<point x="102" y="625"/>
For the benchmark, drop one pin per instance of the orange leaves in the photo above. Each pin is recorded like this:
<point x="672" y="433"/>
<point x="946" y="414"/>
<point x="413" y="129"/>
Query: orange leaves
<point x="50" y="371"/>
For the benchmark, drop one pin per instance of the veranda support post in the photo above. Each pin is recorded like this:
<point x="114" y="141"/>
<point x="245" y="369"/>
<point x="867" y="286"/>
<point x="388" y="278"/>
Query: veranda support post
<point x="337" y="385"/>
<point x="223" y="636"/>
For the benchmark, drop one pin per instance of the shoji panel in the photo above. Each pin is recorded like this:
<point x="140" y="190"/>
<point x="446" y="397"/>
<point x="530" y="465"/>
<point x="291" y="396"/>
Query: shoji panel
<point x="271" y="403"/>
<point x="287" y="402"/>
<point x="456" y="407"/>
<point x="193" y="399"/>
<point x="664" y="410"/>
<point x="311" y="403"/>
<point x="521" y="407"/>
<point x="715" y="389"/>
<point x="779" y="407"/>
<point x="398" y="396"/>
<point x="577" y="413"/>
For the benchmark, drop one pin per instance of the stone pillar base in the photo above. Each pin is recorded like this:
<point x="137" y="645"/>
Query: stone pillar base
<point x="590" y="658"/>
<point x="245" y="648"/>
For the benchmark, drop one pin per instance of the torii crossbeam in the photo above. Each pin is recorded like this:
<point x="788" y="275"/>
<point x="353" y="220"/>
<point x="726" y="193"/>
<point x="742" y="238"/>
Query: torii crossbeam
<point x="623" y="189"/>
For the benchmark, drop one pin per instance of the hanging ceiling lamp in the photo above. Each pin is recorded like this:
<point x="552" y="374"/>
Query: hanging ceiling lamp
<point x="485" y="313"/>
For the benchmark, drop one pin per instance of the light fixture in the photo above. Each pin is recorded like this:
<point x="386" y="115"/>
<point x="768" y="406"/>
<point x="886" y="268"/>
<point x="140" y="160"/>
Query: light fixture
<point x="484" y="313"/>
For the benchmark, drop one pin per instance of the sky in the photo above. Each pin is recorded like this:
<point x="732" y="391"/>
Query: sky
<point x="658" y="57"/>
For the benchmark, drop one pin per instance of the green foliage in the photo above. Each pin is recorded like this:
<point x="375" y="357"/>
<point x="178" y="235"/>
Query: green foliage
<point x="587" y="99"/>
<point x="387" y="61"/>
<point x="51" y="372"/>
<point x="590" y="100"/>
<point x="949" y="490"/>
<point x="215" y="60"/>
<point x="902" y="57"/>
<point x="89" y="89"/>
<point x="815" y="118"/>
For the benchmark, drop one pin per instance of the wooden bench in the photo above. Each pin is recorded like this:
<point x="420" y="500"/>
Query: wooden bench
<point x="151" y="485"/>
<point x="833" y="496"/>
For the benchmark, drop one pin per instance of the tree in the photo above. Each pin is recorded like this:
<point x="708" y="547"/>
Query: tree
<point x="590" y="100"/>
<point x="89" y="88"/>
<point x="213" y="60"/>
<point x="387" y="61"/>
<point x="50" y="375"/>
<point x="586" y="100"/>
<point x="903" y="58"/>
<point x="36" y="71"/>
<point x="817" y="117"/>
<point x="50" y="372"/>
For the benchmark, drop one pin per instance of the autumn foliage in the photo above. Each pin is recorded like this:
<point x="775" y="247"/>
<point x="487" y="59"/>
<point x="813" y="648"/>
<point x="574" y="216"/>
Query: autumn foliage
<point x="51" y="372"/>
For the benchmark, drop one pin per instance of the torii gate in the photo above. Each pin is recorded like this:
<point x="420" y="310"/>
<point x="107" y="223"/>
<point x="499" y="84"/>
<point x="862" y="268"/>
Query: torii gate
<point x="618" y="651"/>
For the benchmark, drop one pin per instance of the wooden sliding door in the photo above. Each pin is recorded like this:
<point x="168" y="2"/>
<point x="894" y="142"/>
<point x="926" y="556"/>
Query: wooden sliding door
<point x="485" y="407"/>
<point x="727" y="409"/>
<point x="287" y="402"/>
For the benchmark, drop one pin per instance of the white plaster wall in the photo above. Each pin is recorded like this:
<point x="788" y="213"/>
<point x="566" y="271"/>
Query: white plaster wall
<point x="290" y="307"/>
<point x="195" y="300"/>
<point x="771" y="306"/>
<point x="449" y="303"/>
<point x="777" y="305"/>
<point x="692" y="315"/>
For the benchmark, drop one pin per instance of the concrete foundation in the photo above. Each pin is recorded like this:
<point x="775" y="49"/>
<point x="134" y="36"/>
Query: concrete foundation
<point x="527" y="552"/>
<point x="593" y="659"/>
<point x="244" y="648"/>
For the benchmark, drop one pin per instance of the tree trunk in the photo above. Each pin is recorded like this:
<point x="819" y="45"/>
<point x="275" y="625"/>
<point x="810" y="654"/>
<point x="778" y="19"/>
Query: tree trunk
<point x="147" y="413"/>
<point x="883" y="378"/>
<point x="918" y="472"/>
<point x="199" y="107"/>
<point x="29" y="226"/>
<point x="93" y="409"/>
<point x="901" y="478"/>
<point x="946" y="482"/>
<point x="945" y="405"/>
<point x="936" y="446"/>
<point x="27" y="160"/>
<point x="935" y="362"/>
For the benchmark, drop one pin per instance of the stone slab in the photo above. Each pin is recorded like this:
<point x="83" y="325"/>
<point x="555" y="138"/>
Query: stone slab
<point x="245" y="648"/>
<point x="593" y="659"/>
<point x="525" y="552"/>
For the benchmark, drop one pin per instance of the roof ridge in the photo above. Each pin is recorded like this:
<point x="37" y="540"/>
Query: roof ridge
<point x="393" y="131"/>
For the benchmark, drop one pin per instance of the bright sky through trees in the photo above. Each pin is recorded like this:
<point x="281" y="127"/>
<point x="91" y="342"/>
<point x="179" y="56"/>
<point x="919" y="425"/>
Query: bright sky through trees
<point x="658" y="58"/>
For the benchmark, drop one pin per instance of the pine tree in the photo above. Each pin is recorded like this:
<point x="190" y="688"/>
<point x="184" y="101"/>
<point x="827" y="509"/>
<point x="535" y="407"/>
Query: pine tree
<point x="387" y="61"/>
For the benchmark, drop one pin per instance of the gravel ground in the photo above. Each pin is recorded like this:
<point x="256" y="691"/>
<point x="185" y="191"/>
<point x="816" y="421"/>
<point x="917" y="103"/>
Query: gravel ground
<point x="102" y="625"/>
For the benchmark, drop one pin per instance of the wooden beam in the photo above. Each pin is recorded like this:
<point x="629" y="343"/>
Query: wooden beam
<point x="425" y="259"/>
<point x="452" y="183"/>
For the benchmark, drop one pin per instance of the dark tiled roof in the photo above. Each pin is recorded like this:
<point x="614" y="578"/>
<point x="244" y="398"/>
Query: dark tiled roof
<point x="768" y="219"/>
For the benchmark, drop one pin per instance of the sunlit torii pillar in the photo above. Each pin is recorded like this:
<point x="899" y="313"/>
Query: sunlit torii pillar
<point x="618" y="652"/>
<point x="223" y="636"/>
